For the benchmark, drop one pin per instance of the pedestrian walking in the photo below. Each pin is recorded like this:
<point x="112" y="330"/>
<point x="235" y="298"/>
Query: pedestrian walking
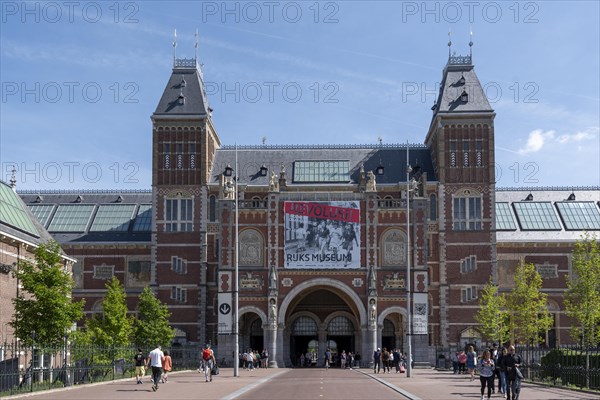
<point x="327" y="358"/>
<point x="512" y="363"/>
<point x="167" y="366"/>
<point x="471" y="361"/>
<point x="208" y="362"/>
<point x="486" y="373"/>
<point x="377" y="361"/>
<point x="155" y="361"/>
<point x="502" y="371"/>
<point x="140" y="366"/>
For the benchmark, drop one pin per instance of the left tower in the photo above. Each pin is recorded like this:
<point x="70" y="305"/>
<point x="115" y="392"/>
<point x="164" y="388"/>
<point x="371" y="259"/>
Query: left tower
<point x="184" y="142"/>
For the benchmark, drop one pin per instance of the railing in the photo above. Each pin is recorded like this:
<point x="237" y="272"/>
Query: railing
<point x="568" y="366"/>
<point x="26" y="369"/>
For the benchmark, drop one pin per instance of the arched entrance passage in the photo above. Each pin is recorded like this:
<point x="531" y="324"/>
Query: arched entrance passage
<point x="251" y="328"/>
<point x="322" y="299"/>
<point x="392" y="322"/>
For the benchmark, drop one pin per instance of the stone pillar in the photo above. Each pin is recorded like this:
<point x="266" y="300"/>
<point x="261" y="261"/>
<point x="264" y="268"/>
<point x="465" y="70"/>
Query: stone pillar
<point x="322" y="339"/>
<point x="273" y="356"/>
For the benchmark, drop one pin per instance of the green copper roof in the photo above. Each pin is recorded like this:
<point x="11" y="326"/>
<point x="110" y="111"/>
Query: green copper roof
<point x="13" y="212"/>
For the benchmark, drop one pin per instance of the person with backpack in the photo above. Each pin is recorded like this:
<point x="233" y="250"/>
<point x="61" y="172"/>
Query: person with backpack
<point x="208" y="362"/>
<point x="140" y="366"/>
<point x="377" y="361"/>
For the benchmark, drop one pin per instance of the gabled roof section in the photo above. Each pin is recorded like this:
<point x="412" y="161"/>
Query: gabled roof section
<point x="185" y="93"/>
<point x="16" y="219"/>
<point x="101" y="217"/>
<point x="459" y="79"/>
<point x="392" y="157"/>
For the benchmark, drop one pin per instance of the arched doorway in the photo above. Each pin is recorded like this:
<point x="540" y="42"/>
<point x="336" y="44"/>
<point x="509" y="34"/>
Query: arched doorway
<point x="341" y="332"/>
<point x="388" y="335"/>
<point x="251" y="332"/>
<point x="303" y="339"/>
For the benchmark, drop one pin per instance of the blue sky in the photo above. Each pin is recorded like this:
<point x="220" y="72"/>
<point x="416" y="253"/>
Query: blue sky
<point x="81" y="79"/>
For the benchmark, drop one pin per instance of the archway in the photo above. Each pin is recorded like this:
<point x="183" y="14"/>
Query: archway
<point x="321" y="300"/>
<point x="252" y="329"/>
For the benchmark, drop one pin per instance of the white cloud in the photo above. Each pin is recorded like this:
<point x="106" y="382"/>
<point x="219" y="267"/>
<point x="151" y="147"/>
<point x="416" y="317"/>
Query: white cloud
<point x="587" y="134"/>
<point x="536" y="141"/>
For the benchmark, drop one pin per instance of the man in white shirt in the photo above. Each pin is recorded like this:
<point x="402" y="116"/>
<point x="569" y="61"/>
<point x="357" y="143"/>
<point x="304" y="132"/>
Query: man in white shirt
<point x="155" y="361"/>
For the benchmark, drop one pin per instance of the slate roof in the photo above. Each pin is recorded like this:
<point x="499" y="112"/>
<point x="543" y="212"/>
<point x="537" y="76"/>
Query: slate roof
<point x="451" y="88"/>
<point x="93" y="199"/>
<point x="391" y="157"/>
<point x="552" y="195"/>
<point x="186" y="80"/>
<point x="17" y="220"/>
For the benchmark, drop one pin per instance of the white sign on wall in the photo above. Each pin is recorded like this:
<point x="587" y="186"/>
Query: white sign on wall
<point x="225" y="310"/>
<point x="419" y="313"/>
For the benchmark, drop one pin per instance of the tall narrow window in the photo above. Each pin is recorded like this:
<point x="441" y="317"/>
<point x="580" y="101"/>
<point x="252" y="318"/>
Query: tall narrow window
<point x="192" y="156"/>
<point x="453" y="153"/>
<point x="479" y="153"/>
<point x="432" y="207"/>
<point x="179" y="150"/>
<point x="212" y="208"/>
<point x="465" y="153"/>
<point x="167" y="154"/>
<point x="178" y="215"/>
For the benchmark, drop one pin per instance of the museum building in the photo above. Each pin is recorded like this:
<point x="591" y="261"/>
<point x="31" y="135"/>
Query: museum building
<point x="339" y="246"/>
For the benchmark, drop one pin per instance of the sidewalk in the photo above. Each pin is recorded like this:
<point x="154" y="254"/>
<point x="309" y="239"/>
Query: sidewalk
<point x="182" y="385"/>
<point x="429" y="384"/>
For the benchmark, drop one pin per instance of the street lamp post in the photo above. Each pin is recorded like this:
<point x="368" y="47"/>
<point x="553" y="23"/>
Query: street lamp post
<point x="236" y="332"/>
<point x="408" y="280"/>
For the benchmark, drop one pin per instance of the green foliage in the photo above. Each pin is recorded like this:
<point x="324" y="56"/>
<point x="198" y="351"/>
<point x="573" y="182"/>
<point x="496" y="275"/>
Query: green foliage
<point x="558" y="362"/>
<point x="114" y="326"/>
<point x="582" y="299"/>
<point x="152" y="325"/>
<point x="527" y="305"/>
<point x="492" y="314"/>
<point x="44" y="305"/>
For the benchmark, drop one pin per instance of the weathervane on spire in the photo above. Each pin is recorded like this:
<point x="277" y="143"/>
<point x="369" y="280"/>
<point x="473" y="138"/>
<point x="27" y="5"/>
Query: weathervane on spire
<point x="471" y="43"/>
<point x="196" y="47"/>
<point x="449" y="42"/>
<point x="174" y="46"/>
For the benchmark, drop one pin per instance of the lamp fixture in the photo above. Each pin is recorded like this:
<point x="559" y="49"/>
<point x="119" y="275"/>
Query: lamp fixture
<point x="263" y="170"/>
<point x="464" y="97"/>
<point x="228" y="171"/>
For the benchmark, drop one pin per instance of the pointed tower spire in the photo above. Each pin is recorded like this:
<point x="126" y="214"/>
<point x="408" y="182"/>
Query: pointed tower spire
<point x="174" y="46"/>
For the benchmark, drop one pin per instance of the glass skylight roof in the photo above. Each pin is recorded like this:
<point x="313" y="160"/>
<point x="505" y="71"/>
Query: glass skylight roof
<point x="12" y="211"/>
<point x="504" y="218"/>
<point x="113" y="217"/>
<point x="143" y="221"/>
<point x="71" y="218"/>
<point x="321" y="171"/>
<point x="42" y="212"/>
<point x="536" y="216"/>
<point x="579" y="215"/>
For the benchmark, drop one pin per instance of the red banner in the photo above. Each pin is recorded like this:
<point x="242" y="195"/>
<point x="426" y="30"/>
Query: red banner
<point x="322" y="211"/>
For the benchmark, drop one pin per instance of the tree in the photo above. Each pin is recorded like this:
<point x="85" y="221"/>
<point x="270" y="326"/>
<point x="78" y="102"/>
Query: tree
<point x="44" y="306"/>
<point x="152" y="324"/>
<point x="492" y="314"/>
<point x="114" y="326"/>
<point x="527" y="305"/>
<point x="582" y="299"/>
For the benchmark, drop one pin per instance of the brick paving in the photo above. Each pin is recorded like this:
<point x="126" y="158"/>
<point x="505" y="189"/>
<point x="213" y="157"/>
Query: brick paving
<point x="259" y="383"/>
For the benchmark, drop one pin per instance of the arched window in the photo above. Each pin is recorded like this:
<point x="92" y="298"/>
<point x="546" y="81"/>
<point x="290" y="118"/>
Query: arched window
<point x="304" y="326"/>
<point x="432" y="207"/>
<point x="340" y="326"/>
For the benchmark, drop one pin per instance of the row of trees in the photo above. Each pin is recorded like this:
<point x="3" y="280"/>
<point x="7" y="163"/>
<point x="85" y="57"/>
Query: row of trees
<point x="522" y="314"/>
<point x="45" y="311"/>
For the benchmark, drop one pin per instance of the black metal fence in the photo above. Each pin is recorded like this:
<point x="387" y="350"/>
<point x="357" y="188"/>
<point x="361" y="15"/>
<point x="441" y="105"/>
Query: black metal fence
<point x="28" y="369"/>
<point x="568" y="366"/>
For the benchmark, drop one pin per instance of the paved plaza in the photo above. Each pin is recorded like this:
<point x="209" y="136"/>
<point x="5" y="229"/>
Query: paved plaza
<point x="297" y="384"/>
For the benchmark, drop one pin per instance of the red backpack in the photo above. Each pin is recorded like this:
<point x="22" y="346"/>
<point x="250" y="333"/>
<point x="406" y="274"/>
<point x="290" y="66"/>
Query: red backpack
<point x="206" y="354"/>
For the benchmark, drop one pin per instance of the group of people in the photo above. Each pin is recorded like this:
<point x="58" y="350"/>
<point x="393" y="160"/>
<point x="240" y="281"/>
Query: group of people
<point x="160" y="362"/>
<point x="503" y="364"/>
<point x="345" y="360"/>
<point x="389" y="359"/>
<point x="253" y="359"/>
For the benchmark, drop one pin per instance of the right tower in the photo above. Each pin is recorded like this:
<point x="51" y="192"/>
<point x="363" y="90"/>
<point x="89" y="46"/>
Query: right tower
<point x="461" y="141"/>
